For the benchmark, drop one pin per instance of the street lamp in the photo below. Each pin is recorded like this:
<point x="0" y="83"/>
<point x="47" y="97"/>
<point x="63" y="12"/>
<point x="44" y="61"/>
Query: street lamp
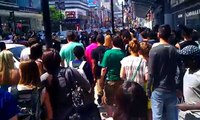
<point x="47" y="22"/>
<point x="112" y="16"/>
<point x="122" y="14"/>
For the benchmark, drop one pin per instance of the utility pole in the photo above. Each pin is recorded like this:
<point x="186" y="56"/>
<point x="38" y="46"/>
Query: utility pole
<point x="122" y="14"/>
<point x="112" y="16"/>
<point x="60" y="22"/>
<point x="12" y="19"/>
<point x="46" y="23"/>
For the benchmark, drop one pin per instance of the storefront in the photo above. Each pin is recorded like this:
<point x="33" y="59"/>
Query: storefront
<point x="192" y="17"/>
<point x="189" y="16"/>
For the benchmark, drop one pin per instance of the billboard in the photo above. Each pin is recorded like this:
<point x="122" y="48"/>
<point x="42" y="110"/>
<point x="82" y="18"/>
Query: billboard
<point x="93" y="3"/>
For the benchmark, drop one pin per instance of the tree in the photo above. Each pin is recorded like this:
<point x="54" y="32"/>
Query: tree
<point x="55" y="14"/>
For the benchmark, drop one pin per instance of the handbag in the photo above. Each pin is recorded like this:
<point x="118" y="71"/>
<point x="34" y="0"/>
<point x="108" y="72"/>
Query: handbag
<point x="137" y="69"/>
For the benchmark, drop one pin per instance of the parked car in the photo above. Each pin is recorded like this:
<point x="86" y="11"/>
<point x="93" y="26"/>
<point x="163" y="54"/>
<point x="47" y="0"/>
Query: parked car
<point x="16" y="49"/>
<point x="62" y="36"/>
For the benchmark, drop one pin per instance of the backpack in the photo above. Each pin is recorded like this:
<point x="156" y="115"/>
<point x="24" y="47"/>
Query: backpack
<point x="73" y="93"/>
<point x="80" y="69"/>
<point x="29" y="103"/>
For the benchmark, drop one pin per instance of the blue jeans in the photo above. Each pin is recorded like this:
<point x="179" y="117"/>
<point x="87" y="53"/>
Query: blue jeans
<point x="164" y="105"/>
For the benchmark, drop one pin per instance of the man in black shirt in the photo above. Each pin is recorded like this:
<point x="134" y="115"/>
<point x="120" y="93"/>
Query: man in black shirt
<point x="162" y="66"/>
<point x="97" y="56"/>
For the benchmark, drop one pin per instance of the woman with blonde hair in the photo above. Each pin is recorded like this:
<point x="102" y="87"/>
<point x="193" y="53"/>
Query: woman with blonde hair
<point x="133" y="68"/>
<point x="8" y="74"/>
<point x="30" y="80"/>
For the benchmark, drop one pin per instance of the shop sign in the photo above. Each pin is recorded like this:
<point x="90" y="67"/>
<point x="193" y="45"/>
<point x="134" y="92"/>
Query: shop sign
<point x="70" y="14"/>
<point x="192" y="13"/>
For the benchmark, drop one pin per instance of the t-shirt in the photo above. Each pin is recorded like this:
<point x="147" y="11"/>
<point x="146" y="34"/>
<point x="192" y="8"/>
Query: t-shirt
<point x="111" y="61"/>
<point x="25" y="54"/>
<point x="162" y="66"/>
<point x="191" y="85"/>
<point x="67" y="53"/>
<point x="130" y="64"/>
<point x="88" y="52"/>
<point x="97" y="55"/>
<point x="8" y="105"/>
<point x="191" y="92"/>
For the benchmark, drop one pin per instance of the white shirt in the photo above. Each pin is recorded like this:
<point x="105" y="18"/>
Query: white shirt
<point x="130" y="65"/>
<point x="25" y="54"/>
<point x="191" y="84"/>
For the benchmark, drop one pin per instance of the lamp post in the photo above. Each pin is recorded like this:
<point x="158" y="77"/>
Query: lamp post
<point x="47" y="22"/>
<point x="112" y="16"/>
<point x="122" y="14"/>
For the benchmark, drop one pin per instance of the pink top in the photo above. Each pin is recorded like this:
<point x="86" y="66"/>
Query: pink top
<point x="88" y="52"/>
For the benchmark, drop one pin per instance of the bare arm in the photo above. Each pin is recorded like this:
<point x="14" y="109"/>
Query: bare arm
<point x="177" y="46"/>
<point x="94" y="67"/>
<point x="47" y="105"/>
<point x="103" y="74"/>
<point x="185" y="106"/>
<point x="122" y="73"/>
<point x="62" y="63"/>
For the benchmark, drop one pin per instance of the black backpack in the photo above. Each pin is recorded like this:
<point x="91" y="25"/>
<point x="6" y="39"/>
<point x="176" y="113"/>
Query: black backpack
<point x="71" y="99"/>
<point x="29" y="103"/>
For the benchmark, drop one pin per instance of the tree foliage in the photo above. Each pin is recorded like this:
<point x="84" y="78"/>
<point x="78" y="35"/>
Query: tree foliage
<point x="55" y="14"/>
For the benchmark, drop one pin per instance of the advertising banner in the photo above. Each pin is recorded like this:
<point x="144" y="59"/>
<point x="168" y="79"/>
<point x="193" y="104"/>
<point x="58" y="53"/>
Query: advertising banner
<point x="93" y="3"/>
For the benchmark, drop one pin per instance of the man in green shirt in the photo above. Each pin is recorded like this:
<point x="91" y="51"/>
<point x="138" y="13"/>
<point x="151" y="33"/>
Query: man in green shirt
<point x="111" y="68"/>
<point x="66" y="51"/>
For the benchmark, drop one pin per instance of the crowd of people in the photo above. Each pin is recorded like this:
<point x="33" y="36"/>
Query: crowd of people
<point x="137" y="74"/>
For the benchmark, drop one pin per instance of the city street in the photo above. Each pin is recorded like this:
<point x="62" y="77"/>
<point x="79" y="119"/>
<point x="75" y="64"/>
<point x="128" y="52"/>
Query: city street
<point x="143" y="54"/>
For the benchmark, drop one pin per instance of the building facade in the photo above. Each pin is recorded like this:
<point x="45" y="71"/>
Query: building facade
<point x="177" y="12"/>
<point x="76" y="14"/>
<point x="20" y="15"/>
<point x="186" y="12"/>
